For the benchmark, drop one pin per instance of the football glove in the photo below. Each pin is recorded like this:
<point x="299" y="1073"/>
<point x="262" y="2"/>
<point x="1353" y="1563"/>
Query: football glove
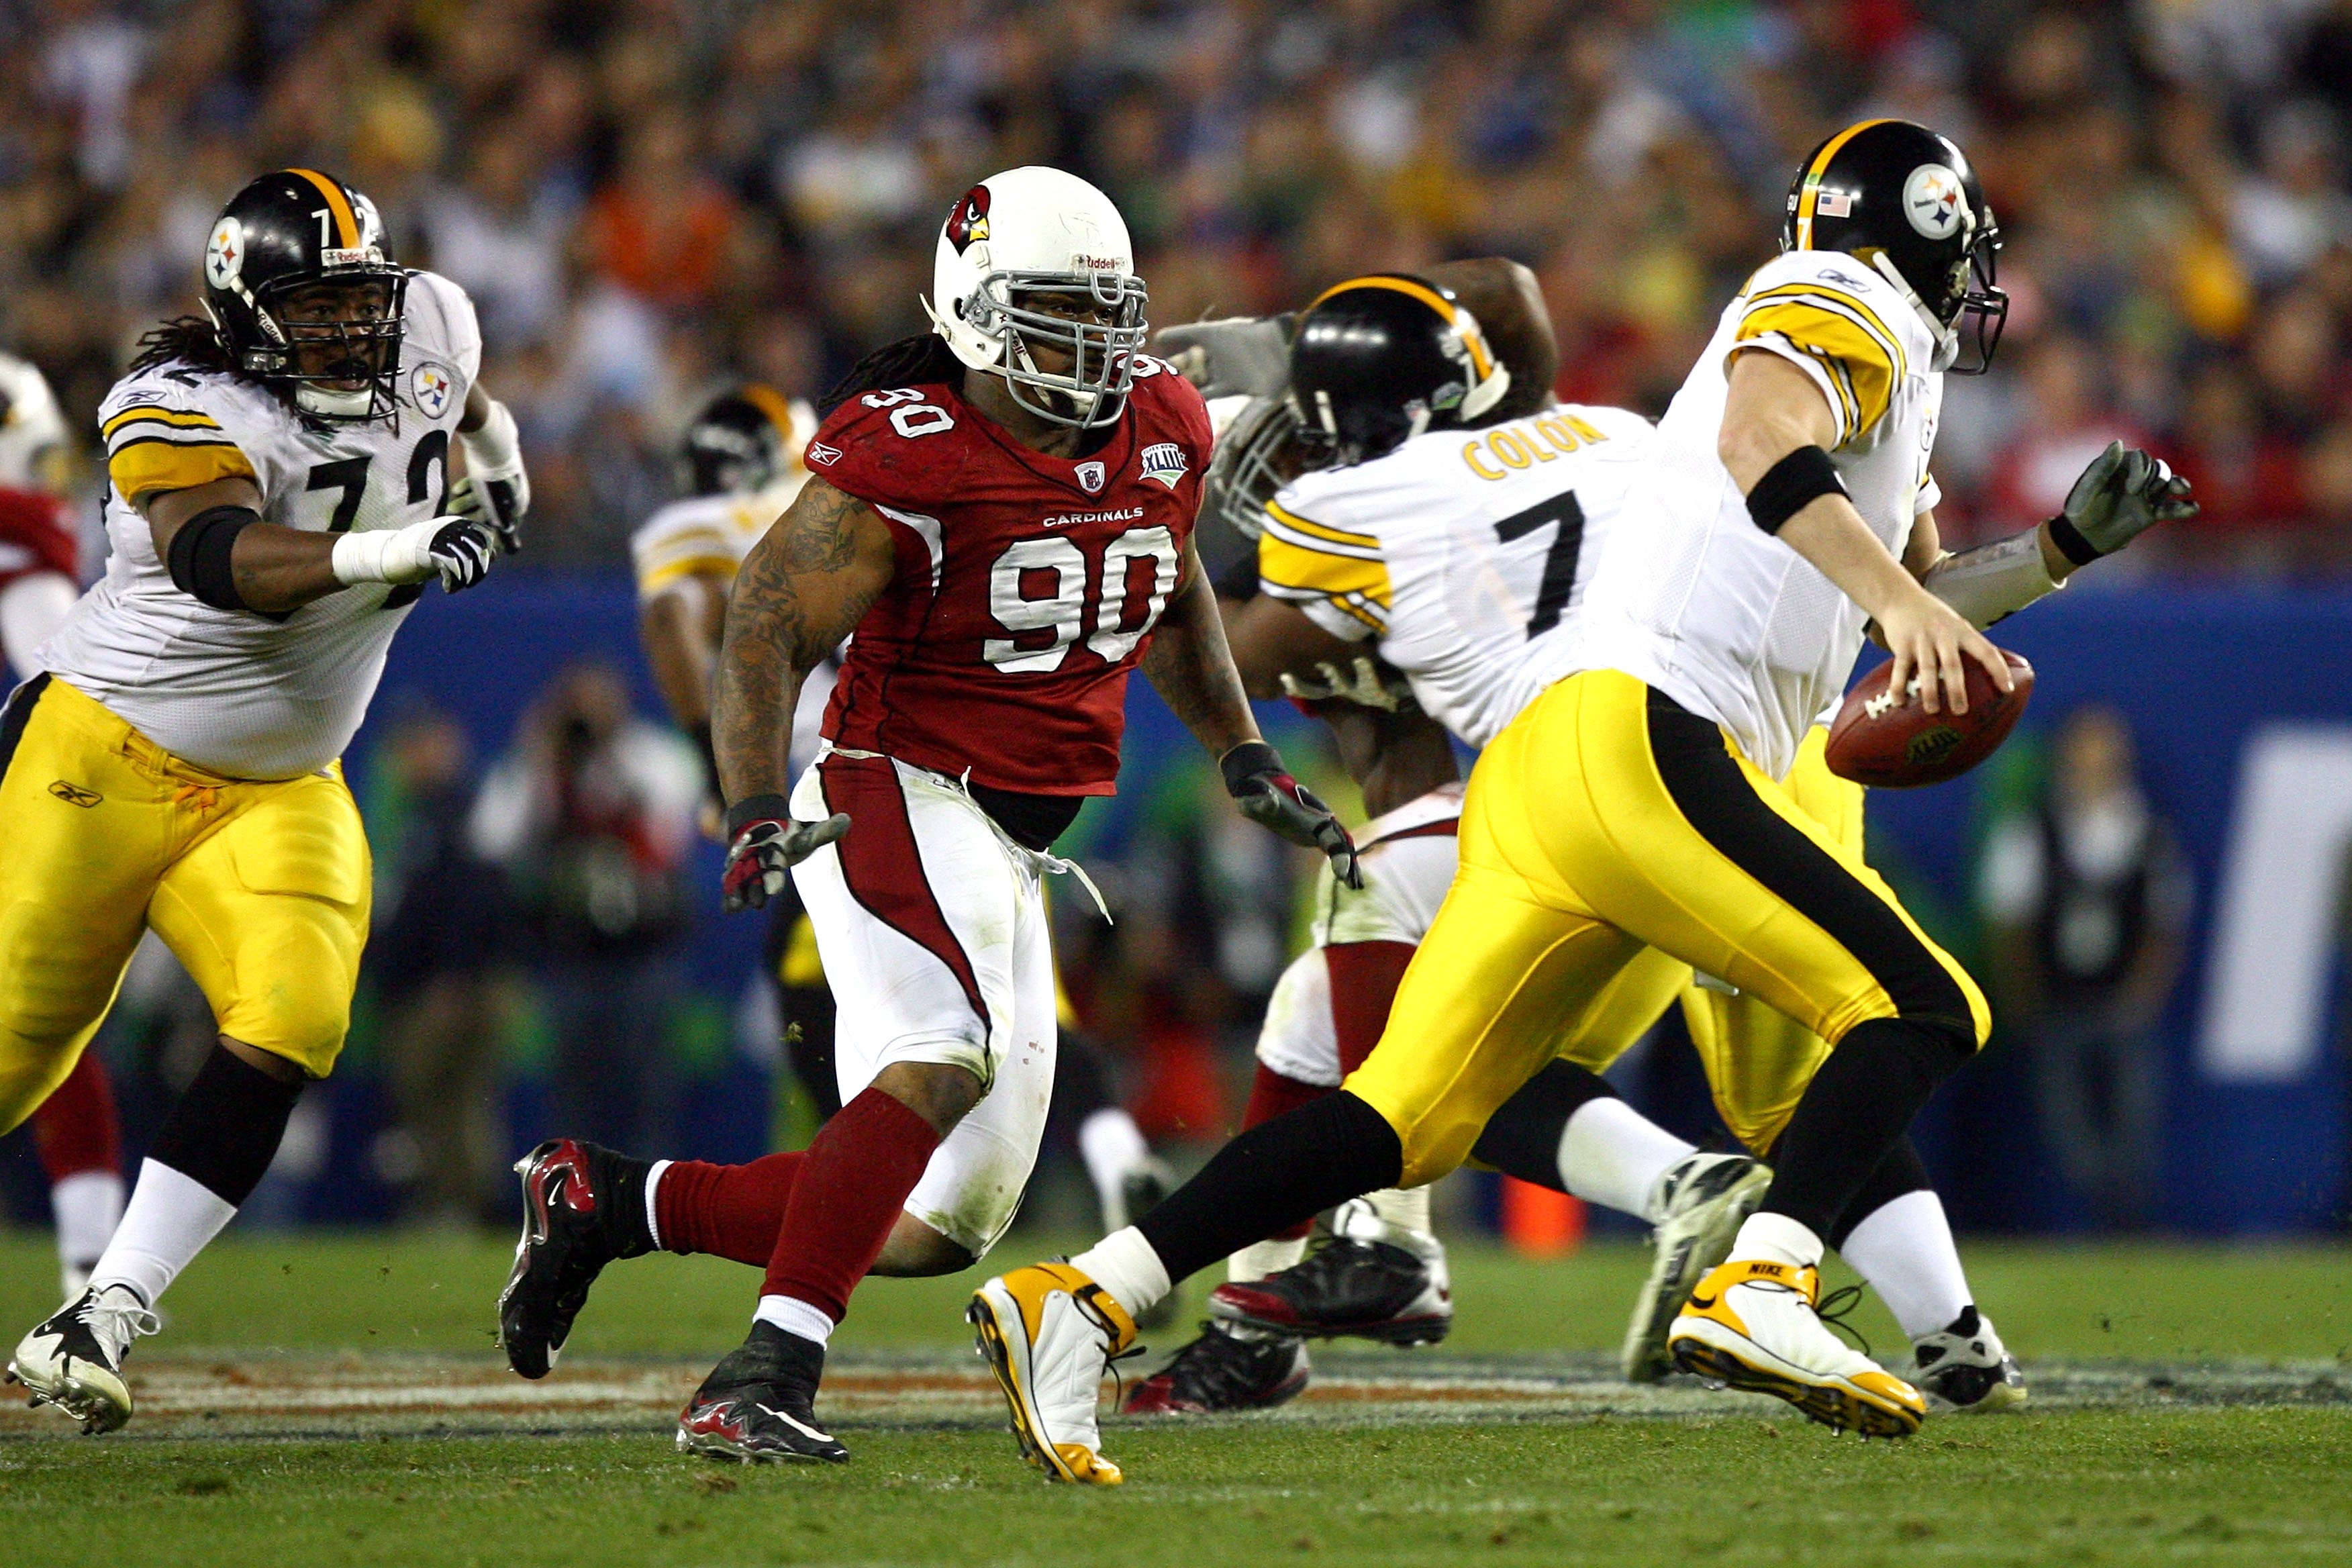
<point x="495" y="492"/>
<point x="456" y="549"/>
<point x="764" y="845"/>
<point x="1367" y="683"/>
<point x="2124" y="493"/>
<point x="1238" y="355"/>
<point x="1270" y="797"/>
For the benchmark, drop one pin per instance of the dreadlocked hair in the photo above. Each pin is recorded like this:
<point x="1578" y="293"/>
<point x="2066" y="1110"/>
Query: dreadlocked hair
<point x="909" y="361"/>
<point x="191" y="341"/>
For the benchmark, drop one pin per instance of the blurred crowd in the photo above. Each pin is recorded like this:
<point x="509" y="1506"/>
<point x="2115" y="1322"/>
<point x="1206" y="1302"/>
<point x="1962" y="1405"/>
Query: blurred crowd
<point x="646" y="194"/>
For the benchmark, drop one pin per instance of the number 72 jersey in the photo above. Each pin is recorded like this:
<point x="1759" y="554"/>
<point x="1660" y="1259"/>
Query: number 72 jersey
<point x="1463" y="555"/>
<point x="1026" y="587"/>
<point x="247" y="695"/>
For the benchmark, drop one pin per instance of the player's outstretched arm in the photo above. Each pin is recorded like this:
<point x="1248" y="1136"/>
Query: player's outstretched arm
<point x="1777" y="428"/>
<point x="211" y="539"/>
<point x="801" y="590"/>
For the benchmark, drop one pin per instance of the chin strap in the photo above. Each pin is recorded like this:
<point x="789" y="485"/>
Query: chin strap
<point x="1948" y="338"/>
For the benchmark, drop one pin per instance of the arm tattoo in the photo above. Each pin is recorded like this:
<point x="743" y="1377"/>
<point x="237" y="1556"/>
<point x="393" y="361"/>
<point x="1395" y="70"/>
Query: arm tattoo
<point x="801" y="590"/>
<point x="1191" y="667"/>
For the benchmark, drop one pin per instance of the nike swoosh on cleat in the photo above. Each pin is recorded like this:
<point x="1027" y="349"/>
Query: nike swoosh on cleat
<point x="801" y="1426"/>
<point x="1703" y="1302"/>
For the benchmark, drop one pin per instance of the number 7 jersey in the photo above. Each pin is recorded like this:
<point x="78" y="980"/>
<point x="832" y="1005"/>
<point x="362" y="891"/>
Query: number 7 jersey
<point x="1028" y="586"/>
<point x="247" y="695"/>
<point x="1464" y="554"/>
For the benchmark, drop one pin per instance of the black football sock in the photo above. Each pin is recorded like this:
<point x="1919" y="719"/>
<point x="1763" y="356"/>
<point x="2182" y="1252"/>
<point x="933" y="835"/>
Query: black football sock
<point x="1899" y="1174"/>
<point x="1279" y="1172"/>
<point x="226" y="1129"/>
<point x="1856" y="1110"/>
<point x="1522" y="1139"/>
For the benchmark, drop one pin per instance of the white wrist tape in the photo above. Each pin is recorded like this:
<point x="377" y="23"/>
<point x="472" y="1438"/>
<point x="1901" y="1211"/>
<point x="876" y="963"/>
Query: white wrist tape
<point x="387" y="555"/>
<point x="495" y="450"/>
<point x="1993" y="579"/>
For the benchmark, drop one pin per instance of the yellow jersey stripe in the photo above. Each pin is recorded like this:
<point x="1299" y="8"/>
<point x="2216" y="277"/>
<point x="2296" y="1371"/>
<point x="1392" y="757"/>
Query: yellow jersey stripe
<point x="347" y="223"/>
<point x="1310" y="529"/>
<point x="142" y="467"/>
<point x="1811" y="191"/>
<point x="1828" y="334"/>
<point x="654" y="579"/>
<point x="184" y="419"/>
<point x="1869" y="318"/>
<point x="1283" y="565"/>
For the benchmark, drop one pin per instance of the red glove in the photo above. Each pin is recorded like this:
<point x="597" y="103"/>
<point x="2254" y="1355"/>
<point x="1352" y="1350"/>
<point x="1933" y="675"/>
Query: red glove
<point x="1270" y="797"/>
<point x="763" y="844"/>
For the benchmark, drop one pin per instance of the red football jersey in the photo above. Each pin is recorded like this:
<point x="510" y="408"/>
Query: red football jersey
<point x="34" y="537"/>
<point x="1028" y="586"/>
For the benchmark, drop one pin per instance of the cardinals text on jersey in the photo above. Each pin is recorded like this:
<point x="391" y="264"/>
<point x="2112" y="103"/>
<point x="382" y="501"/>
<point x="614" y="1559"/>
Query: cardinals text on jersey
<point x="1028" y="586"/>
<point x="247" y="695"/>
<point x="1464" y="552"/>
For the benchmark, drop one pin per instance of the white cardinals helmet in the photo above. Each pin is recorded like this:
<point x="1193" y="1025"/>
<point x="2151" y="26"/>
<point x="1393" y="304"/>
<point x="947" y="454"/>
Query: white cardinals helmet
<point x="1034" y="259"/>
<point x="32" y="430"/>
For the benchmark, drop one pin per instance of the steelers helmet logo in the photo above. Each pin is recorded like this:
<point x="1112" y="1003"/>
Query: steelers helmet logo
<point x="225" y="253"/>
<point x="1934" y="202"/>
<point x="968" y="224"/>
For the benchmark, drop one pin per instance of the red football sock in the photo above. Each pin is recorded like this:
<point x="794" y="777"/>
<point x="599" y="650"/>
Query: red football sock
<point x="76" y="1129"/>
<point x="848" y="1195"/>
<point x="726" y="1211"/>
<point x="1271" y="1094"/>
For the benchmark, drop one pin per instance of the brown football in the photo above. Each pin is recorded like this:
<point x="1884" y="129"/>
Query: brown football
<point x="1876" y="742"/>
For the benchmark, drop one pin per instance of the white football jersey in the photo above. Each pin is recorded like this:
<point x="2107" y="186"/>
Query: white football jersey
<point x="1705" y="606"/>
<point x="711" y="535"/>
<point x="247" y="695"/>
<point x="1464" y="554"/>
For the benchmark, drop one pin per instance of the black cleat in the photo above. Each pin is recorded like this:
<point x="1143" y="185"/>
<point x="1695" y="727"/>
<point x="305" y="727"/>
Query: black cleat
<point x="758" y="1404"/>
<point x="1370" y="1280"/>
<point x="74" y="1360"/>
<point x="1227" y="1368"/>
<point x="583" y="1206"/>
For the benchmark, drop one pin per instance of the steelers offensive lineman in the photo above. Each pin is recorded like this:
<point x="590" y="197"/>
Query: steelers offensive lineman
<point x="280" y="491"/>
<point x="1641" y="802"/>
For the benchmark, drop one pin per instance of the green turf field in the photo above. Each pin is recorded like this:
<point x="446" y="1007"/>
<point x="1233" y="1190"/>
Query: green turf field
<point x="335" y="1400"/>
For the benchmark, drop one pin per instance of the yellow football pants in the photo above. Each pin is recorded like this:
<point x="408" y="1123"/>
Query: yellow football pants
<point x="260" y="889"/>
<point x="1603" y="820"/>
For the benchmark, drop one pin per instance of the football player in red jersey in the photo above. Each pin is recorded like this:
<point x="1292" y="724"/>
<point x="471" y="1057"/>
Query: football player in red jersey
<point x="76" y="1131"/>
<point x="1003" y="514"/>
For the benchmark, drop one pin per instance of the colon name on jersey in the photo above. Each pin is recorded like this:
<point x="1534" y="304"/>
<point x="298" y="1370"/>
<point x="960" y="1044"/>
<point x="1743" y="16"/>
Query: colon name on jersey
<point x="1026" y="585"/>
<point x="243" y="694"/>
<point x="1464" y="552"/>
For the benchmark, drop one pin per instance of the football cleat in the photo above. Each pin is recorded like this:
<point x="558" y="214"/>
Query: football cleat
<point x="1227" y="1368"/>
<point x="758" y="1404"/>
<point x="1048" y="1334"/>
<point x="1706" y="1199"/>
<point x="1966" y="1366"/>
<point x="1754" y="1325"/>
<point x="74" y="1361"/>
<point x="571" y="1226"/>
<point x="1369" y="1280"/>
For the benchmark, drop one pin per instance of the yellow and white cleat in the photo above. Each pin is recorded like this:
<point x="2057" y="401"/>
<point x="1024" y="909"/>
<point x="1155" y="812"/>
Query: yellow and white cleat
<point x="1755" y="1325"/>
<point x="1048" y="1334"/>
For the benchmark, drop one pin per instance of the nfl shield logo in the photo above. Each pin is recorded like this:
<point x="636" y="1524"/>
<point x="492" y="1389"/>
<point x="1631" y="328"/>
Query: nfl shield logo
<point x="1090" y="478"/>
<point x="1164" y="461"/>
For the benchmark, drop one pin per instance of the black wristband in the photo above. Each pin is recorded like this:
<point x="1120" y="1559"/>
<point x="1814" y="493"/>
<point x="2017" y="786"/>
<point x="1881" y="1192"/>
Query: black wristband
<point x="754" y="808"/>
<point x="2071" y="542"/>
<point x="1247" y="761"/>
<point x="199" y="557"/>
<point x="1791" y="485"/>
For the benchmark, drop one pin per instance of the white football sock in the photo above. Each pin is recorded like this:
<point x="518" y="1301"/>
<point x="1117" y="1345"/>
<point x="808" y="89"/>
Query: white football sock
<point x="171" y="1217"/>
<point x="1124" y="1264"/>
<point x="1407" y="1210"/>
<point x="1260" y="1259"/>
<point x="1904" y="1248"/>
<point x="1612" y="1154"/>
<point x="1112" y="1145"/>
<point x="794" y="1316"/>
<point x="87" y="1206"/>
<point x="1776" y="1238"/>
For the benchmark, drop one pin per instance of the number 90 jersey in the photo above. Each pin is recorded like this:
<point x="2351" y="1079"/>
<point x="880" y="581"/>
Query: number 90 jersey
<point x="1464" y="552"/>
<point x="1028" y="586"/>
<point x="247" y="695"/>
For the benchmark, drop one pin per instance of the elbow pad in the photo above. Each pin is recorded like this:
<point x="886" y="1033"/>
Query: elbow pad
<point x="1994" y="580"/>
<point x="199" y="560"/>
<point x="1791" y="485"/>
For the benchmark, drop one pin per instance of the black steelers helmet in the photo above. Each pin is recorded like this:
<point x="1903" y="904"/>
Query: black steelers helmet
<point x="739" y="444"/>
<point x="1905" y="200"/>
<point x="304" y="296"/>
<point x="1378" y="360"/>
